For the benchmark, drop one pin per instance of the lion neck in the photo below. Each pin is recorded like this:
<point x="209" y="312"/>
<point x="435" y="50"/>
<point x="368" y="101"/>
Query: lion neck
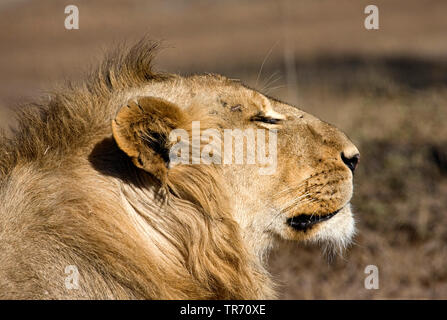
<point x="189" y="225"/>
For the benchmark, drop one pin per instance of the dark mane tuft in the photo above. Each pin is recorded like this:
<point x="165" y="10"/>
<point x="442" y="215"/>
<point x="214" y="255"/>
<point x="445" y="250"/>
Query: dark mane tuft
<point x="75" y="114"/>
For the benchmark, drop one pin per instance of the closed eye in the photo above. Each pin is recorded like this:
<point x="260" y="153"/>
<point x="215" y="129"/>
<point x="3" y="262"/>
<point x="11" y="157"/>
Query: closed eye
<point x="269" y="120"/>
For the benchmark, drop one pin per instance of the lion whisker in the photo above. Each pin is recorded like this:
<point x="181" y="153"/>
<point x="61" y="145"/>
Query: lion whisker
<point x="264" y="61"/>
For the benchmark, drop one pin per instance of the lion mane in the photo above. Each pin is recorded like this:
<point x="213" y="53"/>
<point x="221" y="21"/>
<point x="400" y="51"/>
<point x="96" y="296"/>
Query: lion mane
<point x="70" y="197"/>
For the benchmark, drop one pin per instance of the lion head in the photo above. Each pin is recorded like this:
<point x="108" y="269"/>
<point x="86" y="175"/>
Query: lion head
<point x="165" y="186"/>
<point x="306" y="193"/>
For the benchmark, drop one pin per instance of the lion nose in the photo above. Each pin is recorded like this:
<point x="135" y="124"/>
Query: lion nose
<point x="351" y="160"/>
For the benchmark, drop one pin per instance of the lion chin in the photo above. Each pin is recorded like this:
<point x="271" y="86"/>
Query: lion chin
<point x="336" y="233"/>
<point x="333" y="231"/>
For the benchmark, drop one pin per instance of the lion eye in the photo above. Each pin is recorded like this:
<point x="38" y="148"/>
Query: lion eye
<point x="264" y="119"/>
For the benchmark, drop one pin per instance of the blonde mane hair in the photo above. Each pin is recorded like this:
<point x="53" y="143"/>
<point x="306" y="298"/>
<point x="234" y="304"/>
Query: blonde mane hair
<point x="82" y="202"/>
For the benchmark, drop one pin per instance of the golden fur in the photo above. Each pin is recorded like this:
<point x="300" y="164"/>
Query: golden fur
<point x="75" y="192"/>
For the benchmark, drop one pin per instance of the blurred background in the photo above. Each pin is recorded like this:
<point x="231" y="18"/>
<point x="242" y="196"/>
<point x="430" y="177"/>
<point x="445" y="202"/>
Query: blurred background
<point x="386" y="88"/>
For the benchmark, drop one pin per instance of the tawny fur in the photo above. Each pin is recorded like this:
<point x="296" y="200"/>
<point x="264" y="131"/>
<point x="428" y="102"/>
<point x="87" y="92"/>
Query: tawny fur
<point x="71" y="195"/>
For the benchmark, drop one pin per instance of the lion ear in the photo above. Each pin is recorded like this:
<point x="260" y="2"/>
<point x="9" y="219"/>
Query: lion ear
<point x="141" y="129"/>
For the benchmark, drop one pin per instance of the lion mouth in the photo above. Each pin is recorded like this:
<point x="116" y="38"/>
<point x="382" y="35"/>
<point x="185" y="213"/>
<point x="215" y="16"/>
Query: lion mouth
<point x="303" y="222"/>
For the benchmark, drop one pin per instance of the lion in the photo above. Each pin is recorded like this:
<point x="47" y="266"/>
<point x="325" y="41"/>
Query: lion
<point x="92" y="207"/>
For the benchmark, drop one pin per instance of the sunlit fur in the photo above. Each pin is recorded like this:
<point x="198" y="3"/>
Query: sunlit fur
<point x="72" y="192"/>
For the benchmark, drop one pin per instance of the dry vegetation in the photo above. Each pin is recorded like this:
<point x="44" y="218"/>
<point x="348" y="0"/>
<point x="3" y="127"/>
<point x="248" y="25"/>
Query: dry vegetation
<point x="400" y="199"/>
<point x="387" y="89"/>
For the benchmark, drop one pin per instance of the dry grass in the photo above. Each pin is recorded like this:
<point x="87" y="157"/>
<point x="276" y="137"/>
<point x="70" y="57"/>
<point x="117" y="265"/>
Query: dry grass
<point x="353" y="78"/>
